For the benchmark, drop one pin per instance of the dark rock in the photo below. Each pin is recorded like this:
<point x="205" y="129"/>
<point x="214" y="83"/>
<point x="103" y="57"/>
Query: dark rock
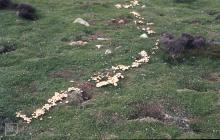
<point x="199" y="42"/>
<point x="212" y="12"/>
<point x="4" y="48"/>
<point x="217" y="18"/>
<point x="26" y="11"/>
<point x="186" y="40"/>
<point x="85" y="96"/>
<point x="5" y="4"/>
<point x="177" y="46"/>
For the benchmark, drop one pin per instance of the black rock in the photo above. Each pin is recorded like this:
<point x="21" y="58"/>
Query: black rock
<point x="5" y="4"/>
<point x="187" y="40"/>
<point x="26" y="11"/>
<point x="6" y="48"/>
<point x="217" y="18"/>
<point x="177" y="46"/>
<point x="199" y="42"/>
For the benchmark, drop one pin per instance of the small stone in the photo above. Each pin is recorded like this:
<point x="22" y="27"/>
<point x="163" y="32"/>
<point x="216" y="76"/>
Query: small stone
<point x="121" y="21"/>
<point x="118" y="47"/>
<point x="102" y="39"/>
<point x="98" y="46"/>
<point x="82" y="22"/>
<point x="144" y="36"/>
<point x="108" y="51"/>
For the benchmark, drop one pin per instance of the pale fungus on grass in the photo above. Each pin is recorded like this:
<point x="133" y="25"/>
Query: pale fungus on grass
<point x="111" y="80"/>
<point x="78" y="43"/>
<point x="39" y="112"/>
<point x="157" y="43"/>
<point x="140" y="22"/>
<point x="24" y="117"/>
<point x="136" y="14"/>
<point x="143" y="6"/>
<point x="119" y="6"/>
<point x="126" y="6"/>
<point x="148" y="30"/>
<point x="121" y="67"/>
<point x="132" y="4"/>
<point x="150" y="23"/>
<point x="96" y="78"/>
<point x="108" y="51"/>
<point x="51" y="102"/>
<point x="98" y="46"/>
<point x="135" y="2"/>
<point x="144" y="59"/>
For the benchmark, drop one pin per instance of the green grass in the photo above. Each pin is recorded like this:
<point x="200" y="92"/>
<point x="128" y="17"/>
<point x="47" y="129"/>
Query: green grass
<point x="25" y="83"/>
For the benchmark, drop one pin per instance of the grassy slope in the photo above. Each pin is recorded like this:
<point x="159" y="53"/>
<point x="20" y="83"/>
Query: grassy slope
<point x="41" y="52"/>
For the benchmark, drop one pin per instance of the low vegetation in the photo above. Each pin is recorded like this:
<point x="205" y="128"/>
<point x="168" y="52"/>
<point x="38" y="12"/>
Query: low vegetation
<point x="164" y="98"/>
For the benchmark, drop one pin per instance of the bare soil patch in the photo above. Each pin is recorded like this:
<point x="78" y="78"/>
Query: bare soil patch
<point x="211" y="77"/>
<point x="65" y="74"/>
<point x="154" y="110"/>
<point x="159" y="112"/>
